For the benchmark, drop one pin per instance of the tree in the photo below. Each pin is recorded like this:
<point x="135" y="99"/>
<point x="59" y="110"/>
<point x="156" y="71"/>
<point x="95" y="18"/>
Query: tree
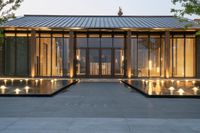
<point x="8" y="8"/>
<point x="188" y="7"/>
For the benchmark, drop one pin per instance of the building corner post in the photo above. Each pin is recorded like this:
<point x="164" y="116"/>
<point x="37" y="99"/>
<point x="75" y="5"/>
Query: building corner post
<point x="32" y="51"/>
<point x="71" y="54"/>
<point x="197" y="56"/>
<point x="128" y="54"/>
<point x="167" y="54"/>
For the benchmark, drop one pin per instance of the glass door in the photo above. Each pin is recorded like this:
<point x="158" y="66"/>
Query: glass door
<point x="94" y="62"/>
<point x="119" y="62"/>
<point x="106" y="62"/>
<point x="81" y="62"/>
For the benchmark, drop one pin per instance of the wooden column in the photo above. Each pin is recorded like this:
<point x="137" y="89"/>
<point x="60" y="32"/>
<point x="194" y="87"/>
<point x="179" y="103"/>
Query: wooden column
<point x="32" y="54"/>
<point x="71" y="54"/>
<point x="198" y="56"/>
<point x="167" y="54"/>
<point x="128" y="54"/>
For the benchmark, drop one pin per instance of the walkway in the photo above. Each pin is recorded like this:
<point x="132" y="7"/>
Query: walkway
<point x="99" y="108"/>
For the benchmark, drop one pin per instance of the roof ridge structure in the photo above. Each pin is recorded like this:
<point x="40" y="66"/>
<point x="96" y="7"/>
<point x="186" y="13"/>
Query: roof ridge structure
<point x="43" y="15"/>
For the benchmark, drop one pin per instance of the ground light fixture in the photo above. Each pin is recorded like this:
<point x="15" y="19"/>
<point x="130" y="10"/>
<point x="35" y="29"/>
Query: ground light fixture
<point x="171" y="89"/>
<point x="17" y="91"/>
<point x="27" y="88"/>
<point x="180" y="91"/>
<point x="195" y="89"/>
<point x="3" y="88"/>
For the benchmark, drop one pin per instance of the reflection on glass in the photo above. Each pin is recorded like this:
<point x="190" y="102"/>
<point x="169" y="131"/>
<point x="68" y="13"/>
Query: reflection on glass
<point x="94" y="61"/>
<point x="66" y="59"/>
<point x="94" y="42"/>
<point x="1" y="55"/>
<point x="143" y="63"/>
<point x="45" y="56"/>
<point x="154" y="62"/>
<point x="10" y="56"/>
<point x="119" y="62"/>
<point x="57" y="56"/>
<point x="106" y="42"/>
<point x="178" y="57"/>
<point x="190" y="57"/>
<point x="81" y="61"/>
<point x="106" y="62"/>
<point x="134" y="57"/>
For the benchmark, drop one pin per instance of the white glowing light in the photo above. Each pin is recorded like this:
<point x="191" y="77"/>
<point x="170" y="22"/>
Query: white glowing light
<point x="52" y="81"/>
<point x="172" y="81"/>
<point x="162" y="81"/>
<point x="27" y="89"/>
<point x="171" y="88"/>
<point x="3" y="87"/>
<point x="195" y="89"/>
<point x="177" y="81"/>
<point x="55" y="80"/>
<point x="193" y="82"/>
<point x="5" y="81"/>
<point x="17" y="91"/>
<point x="180" y="91"/>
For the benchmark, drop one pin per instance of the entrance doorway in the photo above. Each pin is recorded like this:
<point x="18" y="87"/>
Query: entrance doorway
<point x="100" y="56"/>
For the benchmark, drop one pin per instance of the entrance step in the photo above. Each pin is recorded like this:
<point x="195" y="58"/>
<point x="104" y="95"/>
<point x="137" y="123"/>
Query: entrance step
<point x="100" y="80"/>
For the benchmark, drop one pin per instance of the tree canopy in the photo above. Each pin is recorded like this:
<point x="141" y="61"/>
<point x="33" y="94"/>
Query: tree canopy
<point x="8" y="8"/>
<point x="188" y="7"/>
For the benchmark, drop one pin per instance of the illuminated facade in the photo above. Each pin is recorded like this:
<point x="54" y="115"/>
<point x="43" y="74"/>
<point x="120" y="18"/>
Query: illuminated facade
<point x="99" y="47"/>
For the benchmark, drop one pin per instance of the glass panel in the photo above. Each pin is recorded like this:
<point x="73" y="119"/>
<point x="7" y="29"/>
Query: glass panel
<point x="10" y="56"/>
<point x="45" y="56"/>
<point x="106" y="42"/>
<point x="154" y="62"/>
<point x="143" y="62"/>
<point x="190" y="57"/>
<point x="118" y="43"/>
<point x="81" y="61"/>
<point x="162" y="57"/>
<point x="1" y="55"/>
<point x="171" y="57"/>
<point x="81" y="42"/>
<point x="106" y="62"/>
<point x="94" y="61"/>
<point x="22" y="56"/>
<point x="134" y="57"/>
<point x="66" y="61"/>
<point x="94" y="42"/>
<point x="178" y="57"/>
<point x="57" y="56"/>
<point x="119" y="62"/>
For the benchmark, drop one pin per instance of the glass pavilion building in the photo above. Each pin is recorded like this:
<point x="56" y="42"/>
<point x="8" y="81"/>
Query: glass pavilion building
<point x="99" y="47"/>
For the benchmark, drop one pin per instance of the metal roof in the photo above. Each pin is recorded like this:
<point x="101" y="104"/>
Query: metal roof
<point x="97" y="22"/>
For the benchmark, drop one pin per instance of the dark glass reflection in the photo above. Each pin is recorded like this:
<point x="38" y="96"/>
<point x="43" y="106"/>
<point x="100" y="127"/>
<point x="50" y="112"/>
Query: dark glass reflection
<point x="106" y="62"/>
<point x="94" y="61"/>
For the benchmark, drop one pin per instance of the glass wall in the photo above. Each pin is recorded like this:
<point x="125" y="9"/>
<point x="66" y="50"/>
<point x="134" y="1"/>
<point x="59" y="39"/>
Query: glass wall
<point x="22" y="55"/>
<point x="148" y="55"/>
<point x="100" y="54"/>
<point x="16" y="55"/>
<point x="52" y="52"/>
<point x="1" y="55"/>
<point x="143" y="54"/>
<point x="183" y="56"/>
<point x="10" y="56"/>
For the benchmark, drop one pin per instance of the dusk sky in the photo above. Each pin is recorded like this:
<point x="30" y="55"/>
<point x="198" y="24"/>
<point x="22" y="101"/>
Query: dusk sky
<point x="95" y="7"/>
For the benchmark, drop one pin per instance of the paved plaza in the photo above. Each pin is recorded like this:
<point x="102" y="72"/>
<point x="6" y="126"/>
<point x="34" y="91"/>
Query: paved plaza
<point x="99" y="108"/>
